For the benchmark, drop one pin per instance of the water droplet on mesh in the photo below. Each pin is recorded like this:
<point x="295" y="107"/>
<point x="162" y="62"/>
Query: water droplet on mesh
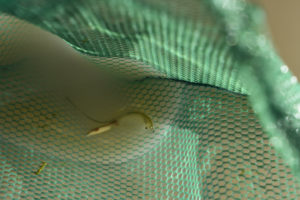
<point x="284" y="69"/>
<point x="294" y="80"/>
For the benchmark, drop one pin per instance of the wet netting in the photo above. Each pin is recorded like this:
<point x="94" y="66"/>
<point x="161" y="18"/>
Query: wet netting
<point x="144" y="99"/>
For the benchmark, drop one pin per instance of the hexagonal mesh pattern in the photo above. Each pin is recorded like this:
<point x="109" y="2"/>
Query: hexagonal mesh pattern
<point x="187" y="65"/>
<point x="207" y="144"/>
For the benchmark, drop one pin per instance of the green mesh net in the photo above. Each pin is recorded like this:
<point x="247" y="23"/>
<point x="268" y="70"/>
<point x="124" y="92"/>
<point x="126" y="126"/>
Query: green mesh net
<point x="224" y="108"/>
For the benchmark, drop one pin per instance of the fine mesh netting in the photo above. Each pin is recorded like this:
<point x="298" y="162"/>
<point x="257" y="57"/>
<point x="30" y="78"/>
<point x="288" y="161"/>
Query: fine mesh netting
<point x="223" y="106"/>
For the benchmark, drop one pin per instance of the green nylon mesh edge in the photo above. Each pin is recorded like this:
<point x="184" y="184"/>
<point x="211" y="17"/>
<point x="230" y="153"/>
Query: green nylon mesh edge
<point x="208" y="144"/>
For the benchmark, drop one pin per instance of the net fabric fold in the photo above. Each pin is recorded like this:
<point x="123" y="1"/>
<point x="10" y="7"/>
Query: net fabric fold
<point x="197" y="68"/>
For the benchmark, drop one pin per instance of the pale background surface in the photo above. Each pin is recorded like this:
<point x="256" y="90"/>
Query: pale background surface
<point x="284" y="23"/>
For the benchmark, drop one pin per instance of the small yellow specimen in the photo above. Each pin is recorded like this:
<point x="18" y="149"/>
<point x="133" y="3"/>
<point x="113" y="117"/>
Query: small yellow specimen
<point x="148" y="124"/>
<point x="41" y="168"/>
<point x="99" y="130"/>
